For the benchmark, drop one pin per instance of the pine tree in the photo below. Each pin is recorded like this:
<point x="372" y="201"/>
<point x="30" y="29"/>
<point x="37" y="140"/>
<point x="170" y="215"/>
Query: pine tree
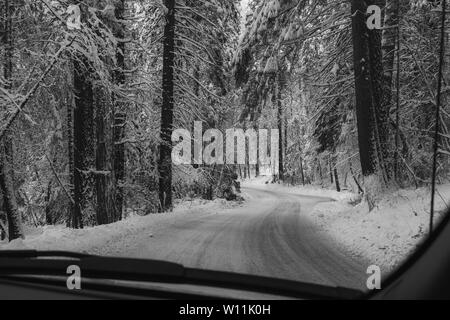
<point x="15" y="230"/>
<point x="83" y="132"/>
<point x="364" y="91"/>
<point x="167" y="111"/>
<point x="105" y="208"/>
<point x="119" y="112"/>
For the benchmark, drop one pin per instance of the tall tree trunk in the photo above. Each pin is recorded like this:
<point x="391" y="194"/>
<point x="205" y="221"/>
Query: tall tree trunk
<point x="167" y="110"/>
<point x="336" y="179"/>
<point x="104" y="207"/>
<point x="257" y="166"/>
<point x="445" y="119"/>
<point x="48" y="196"/>
<point x="286" y="132"/>
<point x="120" y="116"/>
<point x="363" y="89"/>
<point x="48" y="213"/>
<point x="83" y="140"/>
<point x="331" y="171"/>
<point x="380" y="107"/>
<point x="319" y="166"/>
<point x="71" y="155"/>
<point x="388" y="46"/>
<point x="302" y="172"/>
<point x="15" y="230"/>
<point x="389" y="43"/>
<point x="280" y="130"/>
<point x="397" y="107"/>
<point x="257" y="170"/>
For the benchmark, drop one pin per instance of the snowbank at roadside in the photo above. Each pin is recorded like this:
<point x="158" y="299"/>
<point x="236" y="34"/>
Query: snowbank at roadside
<point x="88" y="239"/>
<point x="387" y="235"/>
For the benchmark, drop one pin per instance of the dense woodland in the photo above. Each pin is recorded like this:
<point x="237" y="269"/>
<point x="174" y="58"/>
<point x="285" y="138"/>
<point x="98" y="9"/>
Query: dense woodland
<point x="88" y="107"/>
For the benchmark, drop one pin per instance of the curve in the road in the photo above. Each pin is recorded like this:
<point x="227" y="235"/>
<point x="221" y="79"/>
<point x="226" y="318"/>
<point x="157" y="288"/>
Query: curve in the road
<point x="268" y="236"/>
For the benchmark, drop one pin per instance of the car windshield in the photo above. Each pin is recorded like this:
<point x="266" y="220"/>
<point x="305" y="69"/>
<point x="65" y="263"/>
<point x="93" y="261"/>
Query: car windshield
<point x="300" y="140"/>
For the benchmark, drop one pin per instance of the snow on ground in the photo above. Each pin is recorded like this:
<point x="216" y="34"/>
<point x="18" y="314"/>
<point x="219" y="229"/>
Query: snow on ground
<point x="385" y="236"/>
<point x="388" y="234"/>
<point x="86" y="240"/>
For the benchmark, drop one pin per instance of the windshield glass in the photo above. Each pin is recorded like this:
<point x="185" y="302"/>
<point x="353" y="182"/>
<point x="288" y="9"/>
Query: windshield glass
<point x="300" y="140"/>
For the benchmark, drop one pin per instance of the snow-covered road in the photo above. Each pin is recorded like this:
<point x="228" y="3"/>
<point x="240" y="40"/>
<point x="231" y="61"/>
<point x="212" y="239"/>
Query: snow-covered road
<point x="267" y="236"/>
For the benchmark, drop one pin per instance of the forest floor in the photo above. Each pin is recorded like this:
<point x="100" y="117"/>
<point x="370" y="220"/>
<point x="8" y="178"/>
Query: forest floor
<point x="307" y="234"/>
